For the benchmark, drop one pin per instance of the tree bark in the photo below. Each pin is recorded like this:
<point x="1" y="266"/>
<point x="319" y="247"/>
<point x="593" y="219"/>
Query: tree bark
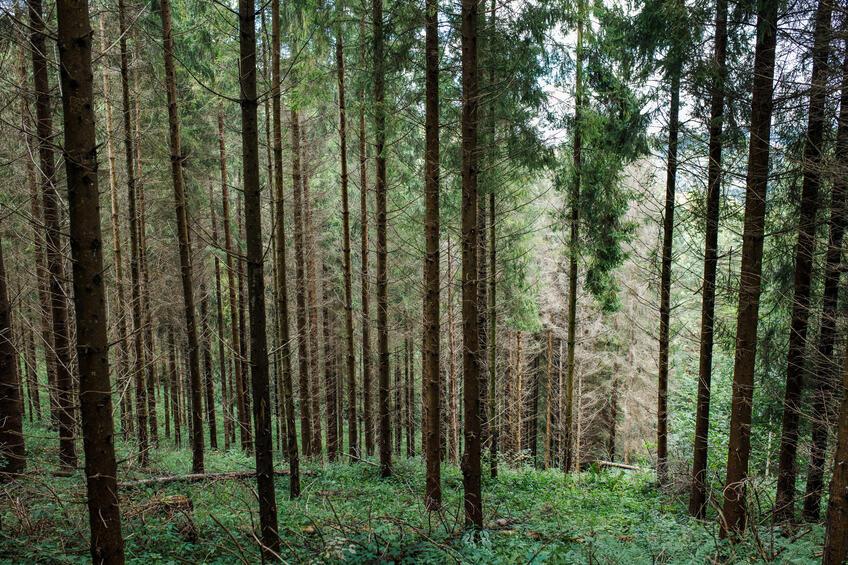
<point x="330" y="375"/>
<point x="55" y="261"/>
<point x="172" y="374"/>
<point x="311" y="251"/>
<point x="209" y="387"/>
<point x="247" y="439"/>
<point x="11" y="407"/>
<point x="431" y="341"/>
<point x="183" y="235"/>
<point x="383" y="375"/>
<point x="280" y="235"/>
<point x="698" y="491"/>
<point x="470" y="333"/>
<point x="735" y="500"/>
<point x="222" y="364"/>
<point x="350" y="357"/>
<point x="270" y="546"/>
<point x="367" y="414"/>
<point x="74" y="38"/>
<point x="836" y="534"/>
<point x="300" y="292"/>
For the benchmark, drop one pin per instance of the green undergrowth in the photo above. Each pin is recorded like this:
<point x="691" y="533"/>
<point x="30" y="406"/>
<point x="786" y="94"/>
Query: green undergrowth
<point x="347" y="513"/>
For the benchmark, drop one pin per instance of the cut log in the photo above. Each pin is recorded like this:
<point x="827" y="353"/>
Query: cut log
<point x="616" y="465"/>
<point x="197" y="477"/>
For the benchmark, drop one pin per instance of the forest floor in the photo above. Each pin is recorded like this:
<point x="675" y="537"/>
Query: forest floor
<point x="348" y="514"/>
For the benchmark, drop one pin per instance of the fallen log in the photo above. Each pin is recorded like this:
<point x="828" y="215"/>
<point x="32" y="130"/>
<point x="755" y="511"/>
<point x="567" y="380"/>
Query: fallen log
<point x="197" y="477"/>
<point x="616" y="465"/>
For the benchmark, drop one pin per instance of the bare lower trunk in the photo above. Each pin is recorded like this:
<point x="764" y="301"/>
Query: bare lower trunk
<point x="74" y="31"/>
<point x="735" y="499"/>
<point x="367" y="414"/>
<point x="11" y="424"/>
<point x="836" y="535"/>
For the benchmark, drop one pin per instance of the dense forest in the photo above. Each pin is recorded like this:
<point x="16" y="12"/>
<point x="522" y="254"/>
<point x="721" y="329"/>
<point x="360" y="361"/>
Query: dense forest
<point x="481" y="281"/>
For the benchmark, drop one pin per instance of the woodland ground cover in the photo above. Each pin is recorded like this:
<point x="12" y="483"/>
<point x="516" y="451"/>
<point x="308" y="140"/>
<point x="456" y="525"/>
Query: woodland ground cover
<point x="347" y="513"/>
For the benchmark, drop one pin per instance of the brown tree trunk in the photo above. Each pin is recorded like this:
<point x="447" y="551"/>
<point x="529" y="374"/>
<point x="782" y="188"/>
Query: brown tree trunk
<point x="330" y="375"/>
<point x="173" y="372"/>
<point x="300" y="293"/>
<point x="494" y="427"/>
<point x="367" y="414"/>
<point x="55" y="260"/>
<point x="256" y="285"/>
<point x="698" y="491"/>
<point x="312" y="309"/>
<point x="453" y="379"/>
<point x="383" y="376"/>
<point x="243" y="338"/>
<point x="280" y="235"/>
<point x="826" y="377"/>
<point x="548" y="398"/>
<point x="836" y="534"/>
<point x="735" y="500"/>
<point x="74" y="38"/>
<point x="11" y="424"/>
<point x="613" y="419"/>
<point x="32" y="377"/>
<point x="183" y="235"/>
<point x="209" y="387"/>
<point x="568" y="455"/>
<point x="350" y="357"/>
<point x="665" y="275"/>
<point x="222" y="363"/>
<point x="470" y="333"/>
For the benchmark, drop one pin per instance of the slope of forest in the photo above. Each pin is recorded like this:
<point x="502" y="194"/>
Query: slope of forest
<point x="480" y="281"/>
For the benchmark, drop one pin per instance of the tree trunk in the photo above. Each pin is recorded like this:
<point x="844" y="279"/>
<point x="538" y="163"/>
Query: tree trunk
<point x="300" y="292"/>
<point x="172" y="373"/>
<point x="247" y="439"/>
<point x="311" y="251"/>
<point x="494" y="425"/>
<point x="613" y="419"/>
<point x="573" y="253"/>
<point x="383" y="375"/>
<point x="256" y="285"/>
<point x="183" y="235"/>
<point x="280" y="235"/>
<point x="222" y="363"/>
<point x="350" y="356"/>
<point x="367" y="414"/>
<point x="698" y="492"/>
<point x="207" y="367"/>
<point x="74" y="38"/>
<point x="11" y="424"/>
<point x="735" y="500"/>
<point x="548" y="396"/>
<point x="470" y="333"/>
<point x="329" y="370"/>
<point x="836" y="534"/>
<point x="55" y="261"/>
<point x="453" y="379"/>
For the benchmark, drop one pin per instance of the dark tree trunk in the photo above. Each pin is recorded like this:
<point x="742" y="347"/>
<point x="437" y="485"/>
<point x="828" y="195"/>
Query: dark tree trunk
<point x="300" y="292"/>
<point x="665" y="275"/>
<point x="383" y="375"/>
<point x="222" y="359"/>
<point x="256" y="284"/>
<point x="548" y="412"/>
<point x="350" y="357"/>
<point x="568" y="455"/>
<point x="613" y="419"/>
<point x="173" y="372"/>
<point x="11" y="424"/>
<point x="330" y="375"/>
<point x="698" y="492"/>
<point x="280" y="236"/>
<point x="247" y="439"/>
<point x="430" y="346"/>
<point x="735" y="500"/>
<point x="470" y="333"/>
<point x="836" y="534"/>
<point x="55" y="261"/>
<point x="209" y="387"/>
<point x="494" y="428"/>
<point x="183" y="235"/>
<point x="311" y="251"/>
<point x="74" y="31"/>
<point x="785" y="496"/>
<point x="410" y="399"/>
<point x="367" y="414"/>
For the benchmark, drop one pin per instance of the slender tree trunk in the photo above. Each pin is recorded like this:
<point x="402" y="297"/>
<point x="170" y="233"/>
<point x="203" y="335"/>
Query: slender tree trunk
<point x="613" y="419"/>
<point x="735" y="500"/>
<point x="32" y="376"/>
<point x="329" y="370"/>
<point x="173" y="371"/>
<point x="698" y="491"/>
<point x="243" y="337"/>
<point x="55" y="261"/>
<point x="826" y="378"/>
<point x="350" y="357"/>
<point x="367" y="414"/>
<point x="470" y="333"/>
<point x="222" y="365"/>
<point x="453" y="379"/>
<point x="431" y="342"/>
<point x="74" y="38"/>
<point x="182" y="231"/>
<point x="383" y="375"/>
<point x="494" y="425"/>
<point x="573" y="251"/>
<point x="836" y="534"/>
<point x="11" y="424"/>
<point x="548" y="397"/>
<point x="256" y="284"/>
<point x="280" y="235"/>
<point x="300" y="292"/>
<point x="312" y="310"/>
<point x="207" y="367"/>
<point x="665" y="275"/>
